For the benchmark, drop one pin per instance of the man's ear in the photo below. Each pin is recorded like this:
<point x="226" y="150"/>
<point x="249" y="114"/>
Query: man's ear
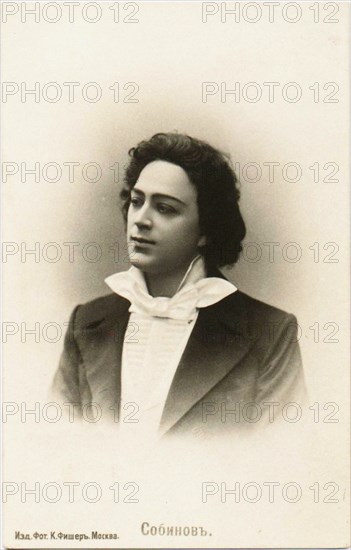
<point x="202" y="241"/>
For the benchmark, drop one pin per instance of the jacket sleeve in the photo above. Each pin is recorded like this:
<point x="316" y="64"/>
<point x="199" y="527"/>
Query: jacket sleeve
<point x="281" y="378"/>
<point x="66" y="386"/>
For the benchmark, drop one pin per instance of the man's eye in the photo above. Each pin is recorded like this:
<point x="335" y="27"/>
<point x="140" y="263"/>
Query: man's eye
<point x="166" y="209"/>
<point x="135" y="201"/>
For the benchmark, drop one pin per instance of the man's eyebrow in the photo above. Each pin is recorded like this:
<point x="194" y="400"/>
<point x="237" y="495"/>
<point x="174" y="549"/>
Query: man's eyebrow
<point x="157" y="195"/>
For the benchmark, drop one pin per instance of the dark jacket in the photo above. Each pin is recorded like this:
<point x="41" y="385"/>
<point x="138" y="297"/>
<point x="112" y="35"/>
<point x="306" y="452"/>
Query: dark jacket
<point x="241" y="354"/>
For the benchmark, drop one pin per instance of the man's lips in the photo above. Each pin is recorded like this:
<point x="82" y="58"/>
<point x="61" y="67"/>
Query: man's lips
<point x="141" y="240"/>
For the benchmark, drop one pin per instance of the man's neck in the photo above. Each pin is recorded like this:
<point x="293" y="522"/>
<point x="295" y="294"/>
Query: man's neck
<point x="167" y="284"/>
<point x="164" y="284"/>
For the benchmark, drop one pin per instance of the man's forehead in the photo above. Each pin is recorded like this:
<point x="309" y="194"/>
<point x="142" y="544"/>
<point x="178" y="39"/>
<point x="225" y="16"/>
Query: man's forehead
<point x="160" y="176"/>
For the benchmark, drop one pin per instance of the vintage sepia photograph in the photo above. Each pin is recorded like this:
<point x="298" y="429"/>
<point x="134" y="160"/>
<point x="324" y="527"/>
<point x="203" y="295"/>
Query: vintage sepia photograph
<point x="176" y="337"/>
<point x="175" y="262"/>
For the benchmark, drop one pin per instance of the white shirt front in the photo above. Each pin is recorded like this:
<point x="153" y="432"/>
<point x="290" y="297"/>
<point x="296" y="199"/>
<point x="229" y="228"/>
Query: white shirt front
<point x="152" y="349"/>
<point x="149" y="361"/>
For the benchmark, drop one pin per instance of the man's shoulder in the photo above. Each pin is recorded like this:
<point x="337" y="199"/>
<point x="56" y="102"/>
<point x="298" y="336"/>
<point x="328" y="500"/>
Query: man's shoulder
<point x="254" y="310"/>
<point x="240" y="304"/>
<point x="100" y="308"/>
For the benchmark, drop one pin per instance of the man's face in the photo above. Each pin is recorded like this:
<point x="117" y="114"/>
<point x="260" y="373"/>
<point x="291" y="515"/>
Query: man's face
<point x="163" y="212"/>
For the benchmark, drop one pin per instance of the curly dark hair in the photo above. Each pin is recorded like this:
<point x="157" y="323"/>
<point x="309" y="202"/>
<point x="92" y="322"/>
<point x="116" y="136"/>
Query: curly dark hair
<point x="217" y="192"/>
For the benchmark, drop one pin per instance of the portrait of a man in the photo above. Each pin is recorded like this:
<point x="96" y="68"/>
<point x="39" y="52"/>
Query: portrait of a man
<point x="175" y="339"/>
<point x="175" y="257"/>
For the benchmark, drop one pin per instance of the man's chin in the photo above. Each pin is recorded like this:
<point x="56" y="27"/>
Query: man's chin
<point x="142" y="261"/>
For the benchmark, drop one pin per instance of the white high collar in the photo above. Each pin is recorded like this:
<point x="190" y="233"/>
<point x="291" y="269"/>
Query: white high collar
<point x="194" y="291"/>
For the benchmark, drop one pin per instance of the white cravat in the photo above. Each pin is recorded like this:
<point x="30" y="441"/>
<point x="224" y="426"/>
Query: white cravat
<point x="195" y="291"/>
<point x="157" y="333"/>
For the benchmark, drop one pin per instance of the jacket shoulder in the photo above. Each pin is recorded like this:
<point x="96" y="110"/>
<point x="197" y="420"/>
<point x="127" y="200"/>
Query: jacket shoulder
<point x="241" y="304"/>
<point x="257" y="308"/>
<point x="100" y="308"/>
<point x="253" y="310"/>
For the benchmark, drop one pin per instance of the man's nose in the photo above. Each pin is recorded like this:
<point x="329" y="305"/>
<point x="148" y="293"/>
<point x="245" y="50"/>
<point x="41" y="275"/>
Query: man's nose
<point x="143" y="218"/>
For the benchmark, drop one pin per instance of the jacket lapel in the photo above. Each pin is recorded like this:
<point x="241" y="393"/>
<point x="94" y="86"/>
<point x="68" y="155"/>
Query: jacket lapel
<point x="101" y="343"/>
<point x="216" y="345"/>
